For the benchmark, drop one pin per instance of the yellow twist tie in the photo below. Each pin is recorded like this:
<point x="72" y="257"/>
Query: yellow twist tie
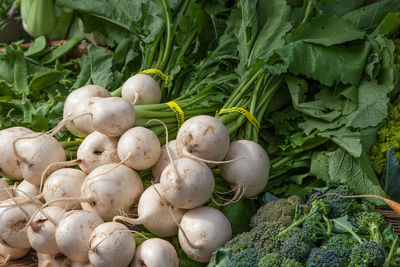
<point x="159" y="73"/>
<point x="244" y="112"/>
<point x="180" y="116"/>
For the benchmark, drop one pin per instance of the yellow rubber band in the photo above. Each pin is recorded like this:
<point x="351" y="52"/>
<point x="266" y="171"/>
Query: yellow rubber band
<point x="180" y="116"/>
<point x="159" y="73"/>
<point x="244" y="112"/>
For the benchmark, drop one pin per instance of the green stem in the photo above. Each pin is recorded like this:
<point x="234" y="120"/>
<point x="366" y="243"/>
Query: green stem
<point x="117" y="92"/>
<point x="248" y="127"/>
<point x="66" y="144"/>
<point x="169" y="35"/>
<point x="348" y="230"/>
<point x="391" y="253"/>
<point x="152" y="52"/>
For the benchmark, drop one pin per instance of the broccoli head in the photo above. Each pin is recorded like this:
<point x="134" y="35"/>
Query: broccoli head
<point x="282" y="211"/>
<point x="322" y="257"/>
<point x="297" y="247"/>
<point x="342" y="245"/>
<point x="263" y="238"/>
<point x="336" y="205"/>
<point x="387" y="136"/>
<point x="367" y="254"/>
<point x="277" y="260"/>
<point x="245" y="258"/>
<point x="371" y="224"/>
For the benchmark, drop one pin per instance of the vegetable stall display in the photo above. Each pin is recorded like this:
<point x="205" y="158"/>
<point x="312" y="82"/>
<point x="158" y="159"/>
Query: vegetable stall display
<point x="170" y="138"/>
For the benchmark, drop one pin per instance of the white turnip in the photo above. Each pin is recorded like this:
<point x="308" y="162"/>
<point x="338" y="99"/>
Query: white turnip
<point x="64" y="183"/>
<point x="74" y="97"/>
<point x="35" y="153"/>
<point x="41" y="233"/>
<point x="82" y="115"/>
<point x="203" y="138"/>
<point x="73" y="232"/>
<point x="30" y="189"/>
<point x="9" y="253"/>
<point x="190" y="186"/>
<point x="13" y="220"/>
<point x="97" y="149"/>
<point x="112" y="116"/>
<point x="45" y="260"/>
<point x="139" y="148"/>
<point x="248" y="174"/>
<point x="164" y="160"/>
<point x="141" y="89"/>
<point x="203" y="230"/>
<point x="111" y="188"/>
<point x="8" y="161"/>
<point x="111" y="244"/>
<point x="155" y="252"/>
<point x="154" y="214"/>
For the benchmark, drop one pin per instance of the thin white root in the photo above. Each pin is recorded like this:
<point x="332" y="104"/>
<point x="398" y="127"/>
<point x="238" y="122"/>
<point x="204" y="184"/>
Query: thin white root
<point x="135" y="99"/>
<point x="64" y="122"/>
<point x="55" y="201"/>
<point x="33" y="201"/>
<point x="129" y="220"/>
<point x="51" y="165"/>
<point x="171" y="160"/>
<point x="113" y="168"/>
<point x="191" y="156"/>
<point x="240" y="191"/>
<point x="14" y="145"/>
<point x="192" y="245"/>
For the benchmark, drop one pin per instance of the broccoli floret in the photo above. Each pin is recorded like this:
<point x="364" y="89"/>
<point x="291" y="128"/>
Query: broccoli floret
<point x="387" y="136"/>
<point x="367" y="254"/>
<point x="245" y="258"/>
<point x="282" y="211"/>
<point x="277" y="260"/>
<point x="322" y="257"/>
<point x="314" y="222"/>
<point x="336" y="205"/>
<point x="371" y="224"/>
<point x="263" y="238"/>
<point x="342" y="245"/>
<point x="297" y="247"/>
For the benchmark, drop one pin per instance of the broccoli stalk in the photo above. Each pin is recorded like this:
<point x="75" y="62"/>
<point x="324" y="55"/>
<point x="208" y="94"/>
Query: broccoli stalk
<point x="391" y="253"/>
<point x="372" y="224"/>
<point x="348" y="229"/>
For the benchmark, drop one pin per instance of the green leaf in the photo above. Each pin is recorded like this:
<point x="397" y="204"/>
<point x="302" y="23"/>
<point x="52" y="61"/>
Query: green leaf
<point x="275" y="27"/>
<point x="338" y="7"/>
<point x="37" y="46"/>
<point x="390" y="178"/>
<point x="343" y="225"/>
<point x="326" y="31"/>
<point x="388" y="26"/>
<point x="338" y="165"/>
<point x="39" y="123"/>
<point x="368" y="16"/>
<point x="324" y="64"/>
<point x="239" y="214"/>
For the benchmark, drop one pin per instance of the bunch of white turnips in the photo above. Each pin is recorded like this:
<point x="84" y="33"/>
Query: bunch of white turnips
<point x="80" y="212"/>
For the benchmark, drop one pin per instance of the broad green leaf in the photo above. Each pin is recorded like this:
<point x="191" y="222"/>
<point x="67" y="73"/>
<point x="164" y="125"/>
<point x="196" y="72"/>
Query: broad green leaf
<point x="45" y="78"/>
<point x="239" y="214"/>
<point x="327" y="65"/>
<point x="326" y="31"/>
<point x="389" y="25"/>
<point x="338" y="7"/>
<point x="366" y="17"/>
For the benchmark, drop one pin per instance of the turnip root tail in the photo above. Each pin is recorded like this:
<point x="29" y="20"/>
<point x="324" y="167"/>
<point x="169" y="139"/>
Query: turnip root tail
<point x="395" y="206"/>
<point x="120" y="231"/>
<point x="239" y="192"/>
<point x="14" y="145"/>
<point x="187" y="154"/>
<point x="58" y="164"/>
<point x="34" y="202"/>
<point x="55" y="201"/>
<point x="113" y="168"/>
<point x="171" y="160"/>
<point x="129" y="220"/>
<point x="194" y="246"/>
<point x="64" y="122"/>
